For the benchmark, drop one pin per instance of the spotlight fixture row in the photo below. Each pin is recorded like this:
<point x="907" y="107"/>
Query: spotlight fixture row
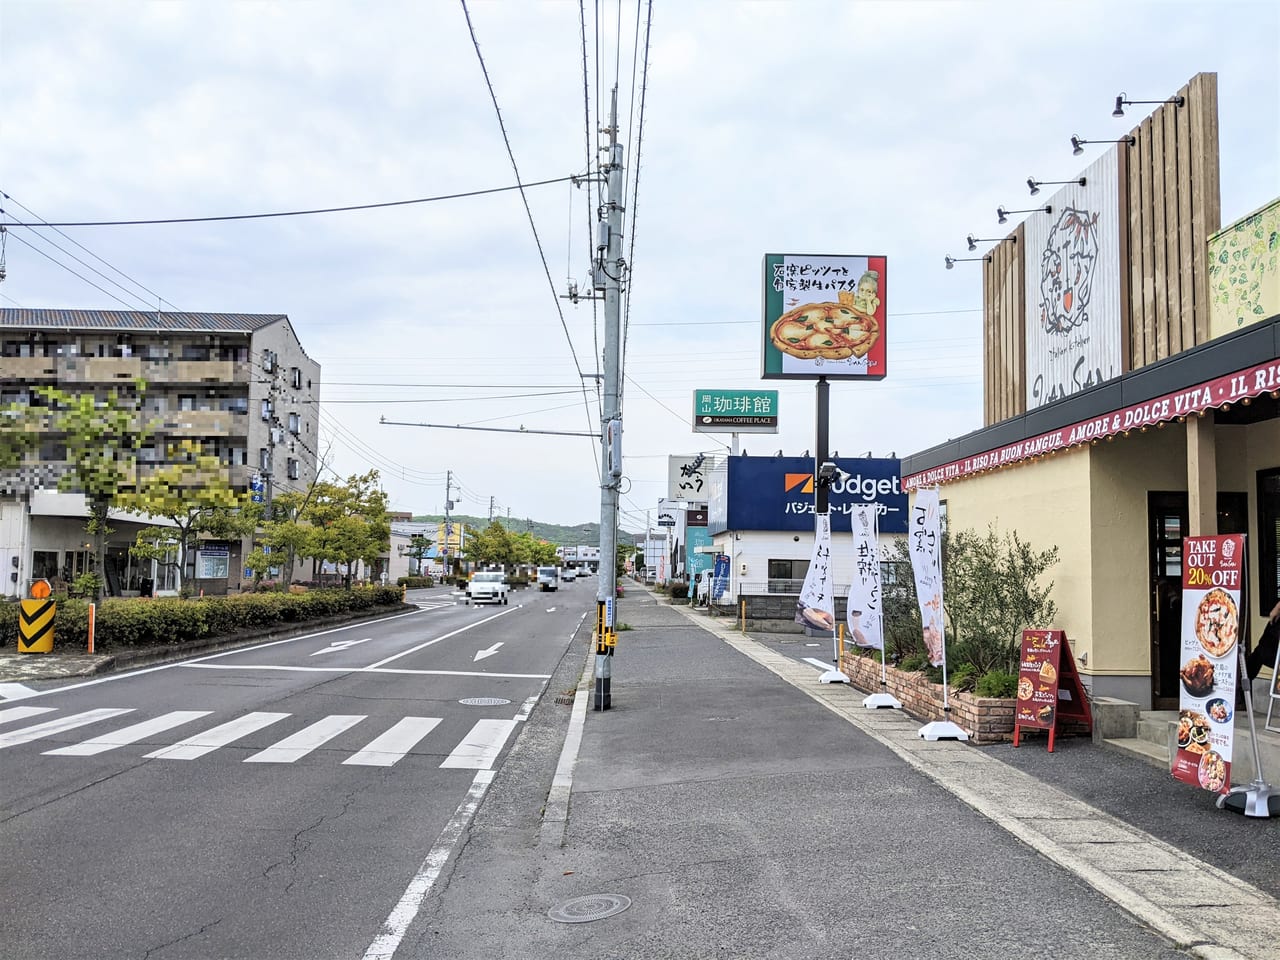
<point x="1003" y="215"/>
<point x="952" y="261"/>
<point x="1122" y="101"/>
<point x="1035" y="184"/>
<point x="1077" y="144"/>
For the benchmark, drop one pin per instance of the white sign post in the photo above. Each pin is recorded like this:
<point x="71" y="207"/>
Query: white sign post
<point x="924" y="537"/>
<point x="865" y="613"/>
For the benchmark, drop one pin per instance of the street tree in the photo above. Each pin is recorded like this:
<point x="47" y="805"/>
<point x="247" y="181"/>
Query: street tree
<point x="102" y="436"/>
<point x="492" y="545"/>
<point x="349" y="522"/>
<point x="191" y="491"/>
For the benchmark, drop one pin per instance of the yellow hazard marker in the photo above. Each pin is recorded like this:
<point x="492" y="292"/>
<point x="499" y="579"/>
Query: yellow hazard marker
<point x="35" y="620"/>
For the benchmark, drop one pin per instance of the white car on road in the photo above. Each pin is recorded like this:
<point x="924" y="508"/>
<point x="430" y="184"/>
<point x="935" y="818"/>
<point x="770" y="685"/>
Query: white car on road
<point x="487" y="587"/>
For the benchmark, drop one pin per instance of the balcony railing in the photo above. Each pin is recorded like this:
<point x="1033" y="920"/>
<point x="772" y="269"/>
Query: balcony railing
<point x="96" y="370"/>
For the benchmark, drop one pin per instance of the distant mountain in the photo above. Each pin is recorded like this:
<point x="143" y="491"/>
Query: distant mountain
<point x="561" y="536"/>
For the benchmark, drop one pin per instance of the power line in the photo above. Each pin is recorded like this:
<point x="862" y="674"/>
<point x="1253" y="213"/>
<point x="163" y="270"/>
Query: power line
<point x="69" y="270"/>
<point x="296" y="213"/>
<point x="635" y="191"/>
<point x="528" y="212"/>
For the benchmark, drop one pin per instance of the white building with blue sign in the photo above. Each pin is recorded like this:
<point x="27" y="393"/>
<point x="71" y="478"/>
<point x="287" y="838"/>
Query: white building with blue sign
<point x="761" y="515"/>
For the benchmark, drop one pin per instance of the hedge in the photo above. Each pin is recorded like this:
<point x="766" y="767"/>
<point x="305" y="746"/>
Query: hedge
<point x="121" y="622"/>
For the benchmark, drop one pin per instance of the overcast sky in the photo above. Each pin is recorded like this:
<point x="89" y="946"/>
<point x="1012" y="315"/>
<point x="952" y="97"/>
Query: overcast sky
<point x="890" y="128"/>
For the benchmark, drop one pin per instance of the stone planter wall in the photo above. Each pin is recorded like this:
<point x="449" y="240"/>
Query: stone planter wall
<point x="985" y="719"/>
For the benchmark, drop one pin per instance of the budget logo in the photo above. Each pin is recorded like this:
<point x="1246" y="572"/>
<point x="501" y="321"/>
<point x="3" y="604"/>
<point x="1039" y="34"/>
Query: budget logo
<point x="798" y="482"/>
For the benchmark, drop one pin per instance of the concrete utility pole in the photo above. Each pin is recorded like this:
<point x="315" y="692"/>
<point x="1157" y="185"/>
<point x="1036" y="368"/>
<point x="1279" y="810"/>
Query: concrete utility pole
<point x="491" y="509"/>
<point x="448" y="505"/>
<point x="609" y="256"/>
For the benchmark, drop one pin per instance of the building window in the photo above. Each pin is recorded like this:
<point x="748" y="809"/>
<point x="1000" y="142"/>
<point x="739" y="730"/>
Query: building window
<point x="195" y="351"/>
<point x="297" y="378"/>
<point x="266" y="409"/>
<point x="44" y="564"/>
<point x="1268" y="540"/>
<point x="293" y="469"/>
<point x="236" y="456"/>
<point x="892" y="573"/>
<point x="268" y="361"/>
<point x="787" y="576"/>
<point x="186" y="401"/>
<point x="295" y="424"/>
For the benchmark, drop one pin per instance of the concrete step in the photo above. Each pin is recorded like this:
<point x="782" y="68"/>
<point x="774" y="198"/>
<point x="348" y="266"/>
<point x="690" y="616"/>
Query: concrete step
<point x="1155" y="726"/>
<point x="1141" y="748"/>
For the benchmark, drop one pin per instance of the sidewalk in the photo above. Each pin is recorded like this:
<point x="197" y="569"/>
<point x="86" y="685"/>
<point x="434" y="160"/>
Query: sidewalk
<point x="748" y="811"/>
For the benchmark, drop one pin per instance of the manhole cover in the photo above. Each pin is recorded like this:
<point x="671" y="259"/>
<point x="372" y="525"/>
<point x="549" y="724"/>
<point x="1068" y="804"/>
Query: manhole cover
<point x="597" y="906"/>
<point x="484" y="702"/>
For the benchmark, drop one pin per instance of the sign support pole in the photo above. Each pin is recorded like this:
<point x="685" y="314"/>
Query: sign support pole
<point x="1259" y="798"/>
<point x="822" y="503"/>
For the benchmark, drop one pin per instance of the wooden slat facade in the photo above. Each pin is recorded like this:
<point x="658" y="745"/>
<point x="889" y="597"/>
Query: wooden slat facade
<point x="1004" y="329"/>
<point x="1169" y="183"/>
<point x="1174" y="207"/>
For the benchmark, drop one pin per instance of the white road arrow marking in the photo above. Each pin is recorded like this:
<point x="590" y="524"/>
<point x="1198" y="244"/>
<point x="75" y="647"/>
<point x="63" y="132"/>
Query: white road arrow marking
<point x="15" y="691"/>
<point x="481" y="654"/>
<point x="340" y="645"/>
<point x="551" y="609"/>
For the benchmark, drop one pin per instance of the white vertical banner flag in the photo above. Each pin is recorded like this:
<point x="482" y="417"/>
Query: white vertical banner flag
<point x="817" y="606"/>
<point x="924" y="534"/>
<point x="865" y="614"/>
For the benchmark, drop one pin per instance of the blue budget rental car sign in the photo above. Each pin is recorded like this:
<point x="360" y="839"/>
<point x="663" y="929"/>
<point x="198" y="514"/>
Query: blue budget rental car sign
<point x="777" y="493"/>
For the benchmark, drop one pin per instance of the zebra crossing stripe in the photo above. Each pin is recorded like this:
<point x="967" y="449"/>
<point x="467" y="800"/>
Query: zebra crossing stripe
<point x="50" y="727"/>
<point x="219" y="736"/>
<point x="298" y="745"/>
<point x="385" y="750"/>
<point x="480" y="747"/>
<point x="128" y="735"/>
<point x="21" y="713"/>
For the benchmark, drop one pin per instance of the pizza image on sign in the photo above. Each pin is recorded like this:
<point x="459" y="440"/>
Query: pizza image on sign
<point x="1217" y="623"/>
<point x="831" y="331"/>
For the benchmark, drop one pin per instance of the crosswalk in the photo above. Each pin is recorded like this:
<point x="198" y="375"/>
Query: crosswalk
<point x="477" y="750"/>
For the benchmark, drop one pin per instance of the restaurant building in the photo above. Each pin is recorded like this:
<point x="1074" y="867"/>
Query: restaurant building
<point x="1131" y="375"/>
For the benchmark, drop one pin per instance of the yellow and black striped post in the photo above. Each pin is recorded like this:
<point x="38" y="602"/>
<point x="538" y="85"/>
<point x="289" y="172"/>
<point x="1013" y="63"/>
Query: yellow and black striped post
<point x="35" y="625"/>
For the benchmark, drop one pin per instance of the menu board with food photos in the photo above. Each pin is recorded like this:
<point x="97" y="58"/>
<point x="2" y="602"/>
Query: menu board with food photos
<point x="1212" y="579"/>
<point x="1049" y="688"/>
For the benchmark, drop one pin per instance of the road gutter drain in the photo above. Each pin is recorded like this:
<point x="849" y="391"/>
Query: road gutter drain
<point x="596" y="906"/>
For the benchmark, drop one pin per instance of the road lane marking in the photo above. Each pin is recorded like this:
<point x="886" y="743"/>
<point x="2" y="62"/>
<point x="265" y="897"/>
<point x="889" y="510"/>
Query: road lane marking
<point x="403" y="913"/>
<point x="298" y="745"/>
<point x="49" y="727"/>
<point x="15" y="691"/>
<point x="385" y="750"/>
<point x="219" y="736"/>
<point x="340" y="645"/>
<point x="423" y="646"/>
<point x="405" y="670"/>
<point x="127" y="735"/>
<point x="815" y="662"/>
<point x="529" y="704"/>
<point x="21" y="713"/>
<point x="214" y="656"/>
<point x="480" y="747"/>
<point x="551" y="609"/>
<point x="487" y="652"/>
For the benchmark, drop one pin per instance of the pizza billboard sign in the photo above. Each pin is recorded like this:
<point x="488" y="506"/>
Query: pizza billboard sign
<point x="1212" y="579"/>
<point x="824" y="316"/>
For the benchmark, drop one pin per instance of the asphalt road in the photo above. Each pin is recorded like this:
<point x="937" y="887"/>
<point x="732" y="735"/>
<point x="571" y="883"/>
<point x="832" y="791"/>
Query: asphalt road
<point x="279" y="800"/>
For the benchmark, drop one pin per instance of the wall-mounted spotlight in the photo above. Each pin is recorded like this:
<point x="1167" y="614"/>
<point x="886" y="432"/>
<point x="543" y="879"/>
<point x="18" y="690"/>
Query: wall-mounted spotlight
<point x="973" y="241"/>
<point x="1003" y="215"/>
<point x="1077" y="145"/>
<point x="1035" y="184"/>
<point x="1122" y="101"/>
<point x="952" y="261"/>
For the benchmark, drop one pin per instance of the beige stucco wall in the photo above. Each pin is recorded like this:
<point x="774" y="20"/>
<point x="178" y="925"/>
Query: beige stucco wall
<point x="1047" y="503"/>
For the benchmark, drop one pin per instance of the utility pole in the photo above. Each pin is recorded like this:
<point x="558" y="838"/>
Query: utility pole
<point x="609" y="256"/>
<point x="491" y="509"/>
<point x="448" y="527"/>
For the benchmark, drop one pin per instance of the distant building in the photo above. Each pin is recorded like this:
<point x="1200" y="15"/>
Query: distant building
<point x="240" y="385"/>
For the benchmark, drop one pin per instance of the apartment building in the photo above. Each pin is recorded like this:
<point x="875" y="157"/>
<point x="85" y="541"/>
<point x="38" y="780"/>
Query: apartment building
<point x="240" y="385"/>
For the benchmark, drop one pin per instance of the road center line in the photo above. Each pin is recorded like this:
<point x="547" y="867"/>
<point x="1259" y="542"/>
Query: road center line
<point x="405" y="670"/>
<point x="423" y="646"/>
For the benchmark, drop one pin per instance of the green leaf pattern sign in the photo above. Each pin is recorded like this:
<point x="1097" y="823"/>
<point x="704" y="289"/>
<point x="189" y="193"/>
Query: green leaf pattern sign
<point x="1244" y="272"/>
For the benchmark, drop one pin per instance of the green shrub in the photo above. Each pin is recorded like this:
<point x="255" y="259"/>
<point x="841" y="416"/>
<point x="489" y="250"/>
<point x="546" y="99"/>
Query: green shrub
<point x="996" y="683"/>
<point x="912" y="664"/>
<point x="964" y="677"/>
<point x="414" y="583"/>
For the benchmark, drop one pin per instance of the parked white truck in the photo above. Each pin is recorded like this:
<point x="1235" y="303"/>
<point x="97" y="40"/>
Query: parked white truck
<point x="487" y="587"/>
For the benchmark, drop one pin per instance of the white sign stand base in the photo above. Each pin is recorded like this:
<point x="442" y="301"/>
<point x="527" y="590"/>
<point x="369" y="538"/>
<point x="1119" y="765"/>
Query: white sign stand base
<point x="833" y="676"/>
<point x="1259" y="798"/>
<point x="942" y="730"/>
<point x="882" y="701"/>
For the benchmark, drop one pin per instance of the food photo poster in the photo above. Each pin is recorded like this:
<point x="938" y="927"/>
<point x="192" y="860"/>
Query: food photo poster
<point x="1212" y="576"/>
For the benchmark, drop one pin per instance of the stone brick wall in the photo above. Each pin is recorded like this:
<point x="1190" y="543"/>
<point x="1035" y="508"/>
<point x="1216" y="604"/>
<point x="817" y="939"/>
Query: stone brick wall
<point x="985" y="719"/>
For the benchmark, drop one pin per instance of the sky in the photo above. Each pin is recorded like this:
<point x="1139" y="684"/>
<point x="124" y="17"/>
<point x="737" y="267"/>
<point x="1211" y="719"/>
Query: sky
<point x="889" y="128"/>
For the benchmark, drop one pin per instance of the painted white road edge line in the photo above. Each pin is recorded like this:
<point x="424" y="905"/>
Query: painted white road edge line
<point x="225" y="653"/>
<point x="402" y="915"/>
<point x="555" y="815"/>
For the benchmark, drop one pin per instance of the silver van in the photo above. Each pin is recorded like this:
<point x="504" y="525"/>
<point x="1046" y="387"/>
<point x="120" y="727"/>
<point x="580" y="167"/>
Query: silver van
<point x="548" y="578"/>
